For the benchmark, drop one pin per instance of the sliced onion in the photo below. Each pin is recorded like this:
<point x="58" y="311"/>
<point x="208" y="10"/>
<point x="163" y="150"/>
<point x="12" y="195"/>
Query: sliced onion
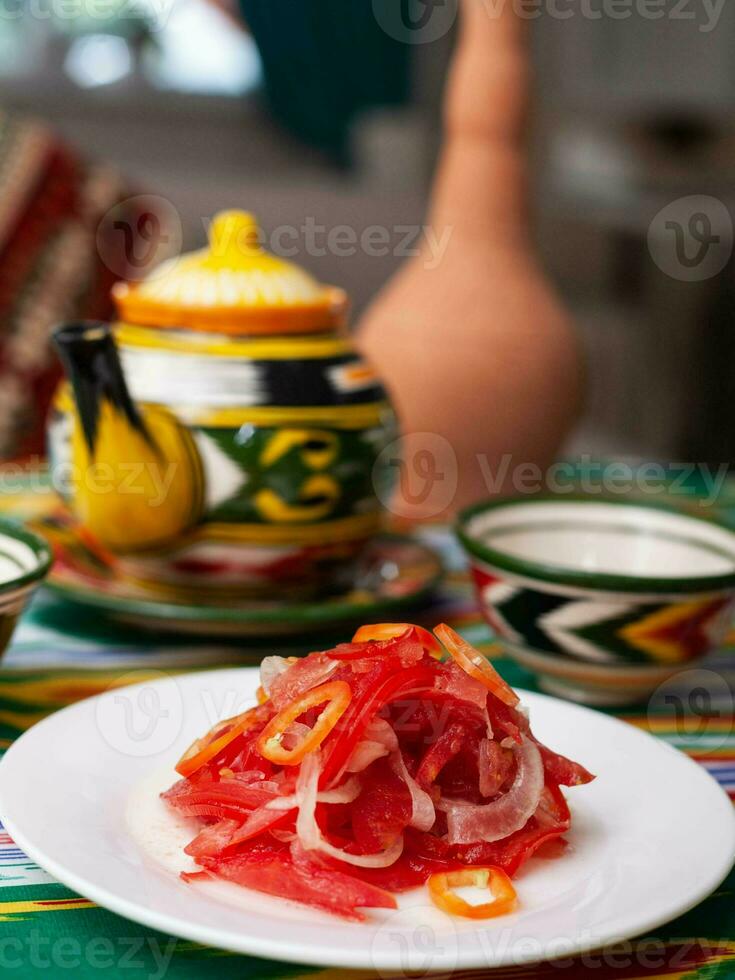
<point x="270" y="786"/>
<point x="283" y="803"/>
<point x="468" y="823"/>
<point x="295" y="733"/>
<point x="270" y="668"/>
<point x="422" y="806"/>
<point x="487" y="784"/>
<point x="247" y="776"/>
<point x="300" y="675"/>
<point x="284" y="836"/>
<point x="379" y="730"/>
<point x="310" y="835"/>
<point x="345" y="793"/>
<point x="364" y="753"/>
<point x="379" y="740"/>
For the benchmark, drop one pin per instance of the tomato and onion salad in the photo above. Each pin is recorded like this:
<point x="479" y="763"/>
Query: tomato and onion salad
<point x="373" y="768"/>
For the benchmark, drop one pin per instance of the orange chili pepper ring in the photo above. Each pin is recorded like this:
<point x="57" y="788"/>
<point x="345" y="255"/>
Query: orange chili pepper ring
<point x="336" y="694"/>
<point x="442" y="885"/>
<point x="203" y="750"/>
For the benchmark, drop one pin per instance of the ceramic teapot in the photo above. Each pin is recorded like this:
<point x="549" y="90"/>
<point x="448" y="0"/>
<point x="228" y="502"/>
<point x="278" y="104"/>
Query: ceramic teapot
<point x="223" y="434"/>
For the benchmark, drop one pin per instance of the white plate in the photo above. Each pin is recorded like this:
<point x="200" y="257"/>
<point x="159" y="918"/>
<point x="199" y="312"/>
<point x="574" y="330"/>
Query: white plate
<point x="651" y="837"/>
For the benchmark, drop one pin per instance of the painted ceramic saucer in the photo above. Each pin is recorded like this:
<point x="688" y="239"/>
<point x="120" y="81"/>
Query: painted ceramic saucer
<point x="393" y="572"/>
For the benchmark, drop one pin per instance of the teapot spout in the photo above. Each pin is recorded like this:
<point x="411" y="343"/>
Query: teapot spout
<point x="90" y="360"/>
<point x="136" y="480"/>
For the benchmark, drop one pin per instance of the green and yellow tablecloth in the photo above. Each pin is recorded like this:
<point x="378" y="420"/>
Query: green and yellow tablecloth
<point x="62" y="653"/>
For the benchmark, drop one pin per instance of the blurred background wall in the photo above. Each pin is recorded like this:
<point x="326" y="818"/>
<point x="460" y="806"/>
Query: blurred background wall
<point x="632" y="128"/>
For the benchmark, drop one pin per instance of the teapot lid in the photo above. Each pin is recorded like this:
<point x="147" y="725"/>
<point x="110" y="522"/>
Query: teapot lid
<point x="234" y="287"/>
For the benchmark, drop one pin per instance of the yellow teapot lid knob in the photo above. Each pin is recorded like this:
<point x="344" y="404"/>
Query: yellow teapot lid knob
<point x="233" y="235"/>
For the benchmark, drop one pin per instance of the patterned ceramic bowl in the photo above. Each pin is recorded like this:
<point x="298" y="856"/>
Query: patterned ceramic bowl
<point x="25" y="558"/>
<point x="604" y="600"/>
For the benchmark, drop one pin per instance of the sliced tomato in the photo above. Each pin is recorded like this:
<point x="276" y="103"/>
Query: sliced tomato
<point x="383" y="809"/>
<point x="419" y="721"/>
<point x="378" y="688"/>
<point x="561" y="770"/>
<point x="258" y="822"/>
<point x="446" y="747"/>
<point x="510" y="854"/>
<point x="409" y="871"/>
<point x="212" y="840"/>
<point x="225" y="791"/>
<point x="551" y="821"/>
<point x="384" y="688"/>
<point x="405" y="649"/>
<point x="241" y="757"/>
<point x="273" y="871"/>
<point x="403" y="641"/>
<point x="476" y="664"/>
<point x="553" y="809"/>
<point x="390" y="631"/>
<point x="495" y="765"/>
<point x="505" y="720"/>
<point x="459" y="684"/>
<point x="520" y="847"/>
<point x="225" y="800"/>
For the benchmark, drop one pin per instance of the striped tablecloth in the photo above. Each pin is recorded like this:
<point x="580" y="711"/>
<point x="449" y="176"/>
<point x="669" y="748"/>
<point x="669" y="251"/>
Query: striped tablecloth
<point x="61" y="654"/>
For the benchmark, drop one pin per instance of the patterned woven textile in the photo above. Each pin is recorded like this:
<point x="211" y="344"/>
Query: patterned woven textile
<point x="51" y="204"/>
<point x="59" y="656"/>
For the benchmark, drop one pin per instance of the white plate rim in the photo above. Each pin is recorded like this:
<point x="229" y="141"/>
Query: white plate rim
<point x="325" y="955"/>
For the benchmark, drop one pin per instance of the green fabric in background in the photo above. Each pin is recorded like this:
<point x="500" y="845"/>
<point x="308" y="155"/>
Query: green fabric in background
<point x="325" y="61"/>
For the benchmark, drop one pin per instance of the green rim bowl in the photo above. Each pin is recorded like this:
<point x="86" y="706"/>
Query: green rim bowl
<point x="25" y="559"/>
<point x="603" y="599"/>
